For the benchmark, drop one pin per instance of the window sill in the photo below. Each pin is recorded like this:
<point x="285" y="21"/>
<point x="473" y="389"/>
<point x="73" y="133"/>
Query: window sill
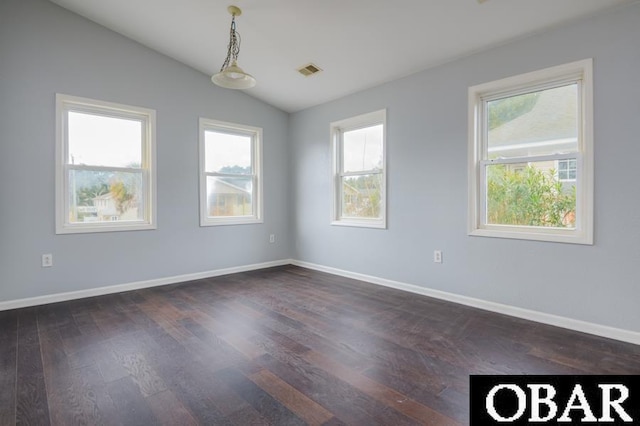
<point x="360" y="223"/>
<point x="535" y="234"/>
<point x="106" y="227"/>
<point x="230" y="221"/>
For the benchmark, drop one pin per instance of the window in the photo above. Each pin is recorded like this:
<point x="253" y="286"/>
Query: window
<point x="359" y="189"/>
<point x="531" y="156"/>
<point x="230" y="179"/>
<point x="567" y="169"/>
<point x="105" y="177"/>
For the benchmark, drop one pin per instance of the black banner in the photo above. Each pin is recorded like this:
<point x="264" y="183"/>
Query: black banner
<point x="528" y="400"/>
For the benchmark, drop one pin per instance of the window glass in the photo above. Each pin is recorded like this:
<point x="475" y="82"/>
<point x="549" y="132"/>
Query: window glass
<point x="227" y="153"/>
<point x="362" y="196"/>
<point x="538" y="123"/>
<point x="528" y="194"/>
<point x="104" y="196"/>
<point x="104" y="141"/>
<point x="362" y="149"/>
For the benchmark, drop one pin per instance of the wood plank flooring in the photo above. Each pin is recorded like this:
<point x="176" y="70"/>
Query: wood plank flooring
<point x="280" y="346"/>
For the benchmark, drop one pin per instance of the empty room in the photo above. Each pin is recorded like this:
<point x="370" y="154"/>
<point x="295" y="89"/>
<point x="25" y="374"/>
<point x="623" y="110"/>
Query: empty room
<point x="319" y="212"/>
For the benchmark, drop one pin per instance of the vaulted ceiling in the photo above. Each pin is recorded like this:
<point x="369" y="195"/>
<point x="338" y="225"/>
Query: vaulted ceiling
<point x="357" y="43"/>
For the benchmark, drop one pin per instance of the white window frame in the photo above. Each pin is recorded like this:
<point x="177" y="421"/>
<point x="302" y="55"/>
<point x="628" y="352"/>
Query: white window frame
<point x="337" y="129"/>
<point x="68" y="103"/>
<point x="580" y="72"/>
<point x="255" y="133"/>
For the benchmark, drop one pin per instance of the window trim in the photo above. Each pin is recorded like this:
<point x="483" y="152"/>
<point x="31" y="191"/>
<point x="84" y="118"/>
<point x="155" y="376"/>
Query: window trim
<point x="256" y="161"/>
<point x="67" y="103"/>
<point x="580" y="71"/>
<point x="337" y="128"/>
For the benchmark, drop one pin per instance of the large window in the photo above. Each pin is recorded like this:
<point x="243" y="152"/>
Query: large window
<point x="105" y="178"/>
<point x="230" y="179"/>
<point x="359" y="189"/>
<point x="531" y="156"/>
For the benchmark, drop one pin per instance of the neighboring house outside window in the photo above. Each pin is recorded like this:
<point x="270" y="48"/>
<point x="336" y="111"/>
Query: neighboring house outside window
<point x="531" y="156"/>
<point x="567" y="169"/>
<point x="230" y="173"/>
<point x="105" y="175"/>
<point x="359" y="170"/>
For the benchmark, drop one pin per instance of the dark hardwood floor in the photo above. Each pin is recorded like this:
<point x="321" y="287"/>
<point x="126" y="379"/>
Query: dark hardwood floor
<point x="281" y="346"/>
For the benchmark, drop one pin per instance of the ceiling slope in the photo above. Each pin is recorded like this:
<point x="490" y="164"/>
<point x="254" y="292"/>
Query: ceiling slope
<point x="358" y="44"/>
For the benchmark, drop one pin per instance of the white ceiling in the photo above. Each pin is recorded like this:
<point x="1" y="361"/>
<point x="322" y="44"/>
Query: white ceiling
<point x="358" y="43"/>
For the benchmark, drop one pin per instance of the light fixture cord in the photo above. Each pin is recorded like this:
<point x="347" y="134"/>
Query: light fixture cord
<point x="233" y="50"/>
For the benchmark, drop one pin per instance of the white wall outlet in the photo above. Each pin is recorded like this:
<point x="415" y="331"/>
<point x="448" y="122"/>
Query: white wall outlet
<point x="272" y="238"/>
<point x="437" y="256"/>
<point x="47" y="260"/>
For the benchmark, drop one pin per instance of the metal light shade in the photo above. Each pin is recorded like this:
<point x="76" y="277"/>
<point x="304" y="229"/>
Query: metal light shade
<point x="233" y="77"/>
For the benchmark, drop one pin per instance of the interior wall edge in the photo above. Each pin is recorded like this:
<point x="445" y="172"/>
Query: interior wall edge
<point x="138" y="285"/>
<point x="623" y="335"/>
<point x="601" y="330"/>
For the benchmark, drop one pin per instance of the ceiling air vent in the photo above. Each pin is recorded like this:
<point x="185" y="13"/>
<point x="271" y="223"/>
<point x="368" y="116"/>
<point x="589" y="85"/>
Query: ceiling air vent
<point x="308" y="70"/>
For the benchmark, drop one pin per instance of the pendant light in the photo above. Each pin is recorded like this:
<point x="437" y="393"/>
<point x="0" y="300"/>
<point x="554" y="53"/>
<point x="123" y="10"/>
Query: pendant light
<point x="231" y="76"/>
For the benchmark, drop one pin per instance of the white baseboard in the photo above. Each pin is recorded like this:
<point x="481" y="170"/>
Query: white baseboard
<point x="541" y="317"/>
<point x="118" y="288"/>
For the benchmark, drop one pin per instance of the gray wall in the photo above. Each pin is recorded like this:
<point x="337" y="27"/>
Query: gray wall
<point x="45" y="49"/>
<point x="427" y="183"/>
